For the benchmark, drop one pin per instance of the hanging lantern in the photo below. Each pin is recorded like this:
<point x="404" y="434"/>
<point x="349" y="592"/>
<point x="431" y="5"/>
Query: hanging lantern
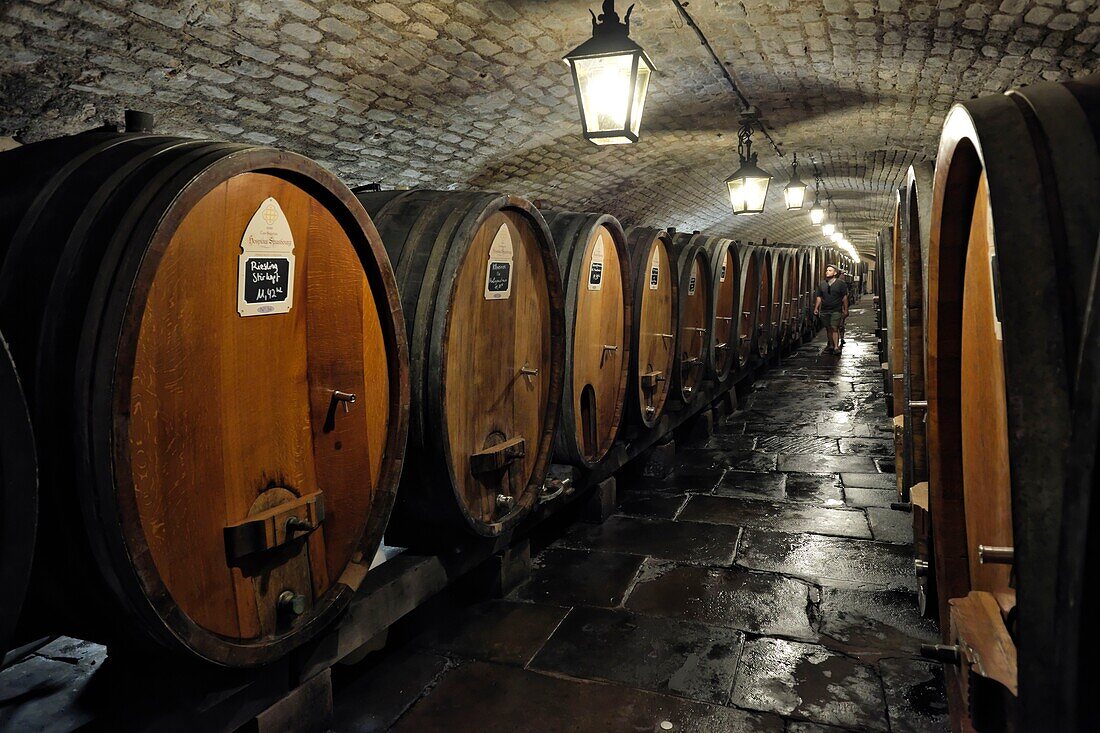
<point x="748" y="187"/>
<point x="794" y="193"/>
<point x="817" y="211"/>
<point x="828" y="229"/>
<point x="611" y="76"/>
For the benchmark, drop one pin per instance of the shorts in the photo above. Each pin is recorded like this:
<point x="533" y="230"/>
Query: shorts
<point x="832" y="319"/>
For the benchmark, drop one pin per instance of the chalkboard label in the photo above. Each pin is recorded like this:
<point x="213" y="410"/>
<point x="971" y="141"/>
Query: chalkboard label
<point x="595" y="276"/>
<point x="265" y="282"/>
<point x="498" y="273"/>
<point x="595" y="267"/>
<point x="500" y="277"/>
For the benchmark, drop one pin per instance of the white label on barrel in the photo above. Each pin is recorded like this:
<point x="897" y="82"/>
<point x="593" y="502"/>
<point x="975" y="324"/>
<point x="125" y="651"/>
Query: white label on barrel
<point x="722" y="277"/>
<point x="595" y="267"/>
<point x="265" y="268"/>
<point x="694" y="278"/>
<point x="498" y="273"/>
<point x="655" y="269"/>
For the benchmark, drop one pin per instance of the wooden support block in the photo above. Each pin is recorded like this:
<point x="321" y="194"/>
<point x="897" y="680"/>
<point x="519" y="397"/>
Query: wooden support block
<point x="501" y="573"/>
<point x="986" y="660"/>
<point x="306" y="709"/>
<point x="601" y="502"/>
<point x="658" y="460"/>
<point x="698" y="428"/>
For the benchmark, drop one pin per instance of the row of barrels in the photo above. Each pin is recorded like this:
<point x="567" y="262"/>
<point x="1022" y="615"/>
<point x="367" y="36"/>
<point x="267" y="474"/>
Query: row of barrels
<point x="220" y="358"/>
<point x="993" y="355"/>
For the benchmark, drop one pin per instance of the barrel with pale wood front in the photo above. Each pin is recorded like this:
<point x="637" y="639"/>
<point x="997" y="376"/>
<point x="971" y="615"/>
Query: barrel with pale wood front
<point x="696" y="305"/>
<point x="214" y="357"/>
<point x="479" y="283"/>
<point x="1014" y="229"/>
<point x="655" y="323"/>
<point x="18" y="498"/>
<point x="598" y="296"/>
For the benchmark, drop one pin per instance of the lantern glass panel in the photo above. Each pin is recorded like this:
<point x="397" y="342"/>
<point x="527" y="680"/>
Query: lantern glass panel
<point x="817" y="215"/>
<point x="611" y="95"/>
<point x="748" y="193"/>
<point x="828" y="229"/>
<point x="794" y="195"/>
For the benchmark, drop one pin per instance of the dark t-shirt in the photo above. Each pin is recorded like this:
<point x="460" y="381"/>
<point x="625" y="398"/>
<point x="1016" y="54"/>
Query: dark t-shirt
<point x="832" y="295"/>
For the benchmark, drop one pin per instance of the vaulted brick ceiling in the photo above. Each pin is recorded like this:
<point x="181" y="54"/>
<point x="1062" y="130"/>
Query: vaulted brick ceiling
<point x="447" y="93"/>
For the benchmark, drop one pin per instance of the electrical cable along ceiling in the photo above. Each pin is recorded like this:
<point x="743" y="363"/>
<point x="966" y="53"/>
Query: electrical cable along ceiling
<point x="462" y="94"/>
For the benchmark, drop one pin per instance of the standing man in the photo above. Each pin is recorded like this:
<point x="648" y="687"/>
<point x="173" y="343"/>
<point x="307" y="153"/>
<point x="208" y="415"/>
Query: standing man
<point x="831" y="303"/>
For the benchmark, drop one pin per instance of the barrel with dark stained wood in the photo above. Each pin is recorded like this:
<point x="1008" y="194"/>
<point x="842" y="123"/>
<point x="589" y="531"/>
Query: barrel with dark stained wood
<point x="725" y="356"/>
<point x="1014" y="236"/>
<point x="750" y="281"/>
<point x="479" y="282"/>
<point x="766" y="331"/>
<point x="18" y="498"/>
<point x="598" y="296"/>
<point x="656" y="323"/>
<point x="696" y="320"/>
<point x="215" y="330"/>
<point x="917" y="212"/>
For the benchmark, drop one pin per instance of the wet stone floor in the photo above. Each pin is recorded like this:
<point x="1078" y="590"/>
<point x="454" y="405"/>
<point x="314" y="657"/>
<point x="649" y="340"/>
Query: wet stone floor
<point x="762" y="584"/>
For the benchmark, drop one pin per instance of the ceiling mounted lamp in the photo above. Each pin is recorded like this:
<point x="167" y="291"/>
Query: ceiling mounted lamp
<point x="794" y="193"/>
<point x="611" y="77"/>
<point x="748" y="187"/>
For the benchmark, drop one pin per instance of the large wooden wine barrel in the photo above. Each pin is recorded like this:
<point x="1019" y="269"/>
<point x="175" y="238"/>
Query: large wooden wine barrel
<point x="766" y="320"/>
<point x="598" y="294"/>
<point x="18" y="498"/>
<point x="214" y="357"/>
<point x="884" y="250"/>
<point x="917" y="214"/>
<point x="749" y="323"/>
<point x="725" y="356"/>
<point x="789" y="299"/>
<point x="479" y="283"/>
<point x="696" y="320"/>
<point x="1014" y="235"/>
<point x="656" y="323"/>
<point x="805" y="293"/>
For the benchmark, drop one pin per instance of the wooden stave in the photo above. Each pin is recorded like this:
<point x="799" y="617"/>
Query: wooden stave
<point x="571" y="232"/>
<point x="685" y="249"/>
<point x="639" y="241"/>
<point x="426" y="234"/>
<point x="1078" y="585"/>
<point x="717" y="247"/>
<point x="749" y="264"/>
<point x="983" y="135"/>
<point x="87" y="272"/>
<point x="18" y="498"/>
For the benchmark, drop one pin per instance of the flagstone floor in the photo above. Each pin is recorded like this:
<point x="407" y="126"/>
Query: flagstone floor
<point x="763" y="584"/>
